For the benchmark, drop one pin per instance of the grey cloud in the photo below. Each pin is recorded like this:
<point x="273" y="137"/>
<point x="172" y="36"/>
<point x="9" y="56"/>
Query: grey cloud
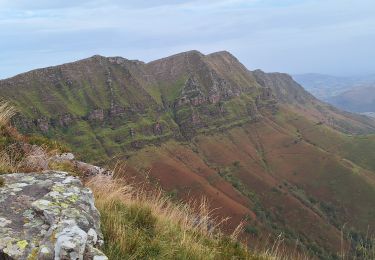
<point x="330" y="36"/>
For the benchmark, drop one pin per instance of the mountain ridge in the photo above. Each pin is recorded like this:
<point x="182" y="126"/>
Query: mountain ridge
<point x="259" y="146"/>
<point x="171" y="97"/>
<point x="145" y="68"/>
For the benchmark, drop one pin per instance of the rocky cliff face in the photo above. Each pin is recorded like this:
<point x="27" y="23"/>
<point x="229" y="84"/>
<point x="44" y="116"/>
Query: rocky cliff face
<point x="48" y="215"/>
<point x="114" y="104"/>
<point x="139" y="103"/>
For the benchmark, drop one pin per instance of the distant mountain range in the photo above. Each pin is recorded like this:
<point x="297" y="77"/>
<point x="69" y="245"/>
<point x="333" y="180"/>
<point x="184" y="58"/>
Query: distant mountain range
<point x="360" y="99"/>
<point x="355" y="94"/>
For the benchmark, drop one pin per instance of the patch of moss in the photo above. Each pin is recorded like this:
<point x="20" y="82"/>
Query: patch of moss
<point x="65" y="166"/>
<point x="22" y="244"/>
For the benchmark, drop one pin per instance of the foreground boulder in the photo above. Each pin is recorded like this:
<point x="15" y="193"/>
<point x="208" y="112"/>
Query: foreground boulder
<point x="48" y="215"/>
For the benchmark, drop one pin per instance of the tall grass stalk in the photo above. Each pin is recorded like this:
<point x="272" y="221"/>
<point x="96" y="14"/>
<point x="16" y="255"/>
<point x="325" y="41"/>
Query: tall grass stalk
<point x="7" y="111"/>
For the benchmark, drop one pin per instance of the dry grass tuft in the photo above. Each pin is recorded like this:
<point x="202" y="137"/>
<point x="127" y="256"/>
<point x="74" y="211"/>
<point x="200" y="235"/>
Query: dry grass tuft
<point x="20" y="153"/>
<point x="8" y="157"/>
<point x="360" y="246"/>
<point x="138" y="224"/>
<point x="8" y="162"/>
<point x="277" y="250"/>
<point x="7" y="111"/>
<point x="141" y="224"/>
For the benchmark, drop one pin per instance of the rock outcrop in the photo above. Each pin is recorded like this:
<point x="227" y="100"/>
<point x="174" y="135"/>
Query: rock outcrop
<point x="38" y="159"/>
<point x="48" y="215"/>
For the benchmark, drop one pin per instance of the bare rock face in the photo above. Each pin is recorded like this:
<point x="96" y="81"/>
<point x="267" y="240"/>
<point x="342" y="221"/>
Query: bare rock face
<point x="43" y="124"/>
<point x="158" y="129"/>
<point x="48" y="215"/>
<point x="65" y="120"/>
<point x="91" y="170"/>
<point x="97" y="114"/>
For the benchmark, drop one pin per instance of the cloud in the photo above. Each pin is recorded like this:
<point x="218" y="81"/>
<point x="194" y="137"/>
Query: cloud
<point x="42" y="4"/>
<point x="330" y="36"/>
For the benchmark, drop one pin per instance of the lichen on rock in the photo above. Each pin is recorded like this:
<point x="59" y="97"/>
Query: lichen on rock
<point x="48" y="215"/>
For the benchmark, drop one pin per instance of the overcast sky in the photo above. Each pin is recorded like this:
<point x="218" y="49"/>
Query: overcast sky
<point x="295" y="36"/>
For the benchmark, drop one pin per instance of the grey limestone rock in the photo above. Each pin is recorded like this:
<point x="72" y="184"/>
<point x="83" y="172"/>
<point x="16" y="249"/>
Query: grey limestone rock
<point x="48" y="215"/>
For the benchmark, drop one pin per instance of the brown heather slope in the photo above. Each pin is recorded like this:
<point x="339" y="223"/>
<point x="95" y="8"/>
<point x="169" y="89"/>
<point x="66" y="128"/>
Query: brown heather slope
<point x="290" y="185"/>
<point x="256" y="144"/>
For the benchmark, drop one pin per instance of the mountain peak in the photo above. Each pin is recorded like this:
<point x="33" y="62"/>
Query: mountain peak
<point x="97" y="56"/>
<point x="179" y="56"/>
<point x="222" y="53"/>
<point x="195" y="53"/>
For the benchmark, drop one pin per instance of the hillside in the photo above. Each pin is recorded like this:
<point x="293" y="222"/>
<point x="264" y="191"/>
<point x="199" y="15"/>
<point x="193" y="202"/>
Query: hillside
<point x="114" y="104"/>
<point x="257" y="145"/>
<point x="325" y="87"/>
<point x="354" y="94"/>
<point x="47" y="212"/>
<point x="360" y="100"/>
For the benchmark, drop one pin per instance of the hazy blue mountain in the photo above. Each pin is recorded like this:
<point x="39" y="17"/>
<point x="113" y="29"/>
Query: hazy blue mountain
<point x="355" y="94"/>
<point x="359" y="99"/>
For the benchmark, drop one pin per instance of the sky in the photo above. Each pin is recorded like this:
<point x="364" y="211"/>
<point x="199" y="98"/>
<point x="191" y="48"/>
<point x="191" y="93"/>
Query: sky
<point x="295" y="36"/>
